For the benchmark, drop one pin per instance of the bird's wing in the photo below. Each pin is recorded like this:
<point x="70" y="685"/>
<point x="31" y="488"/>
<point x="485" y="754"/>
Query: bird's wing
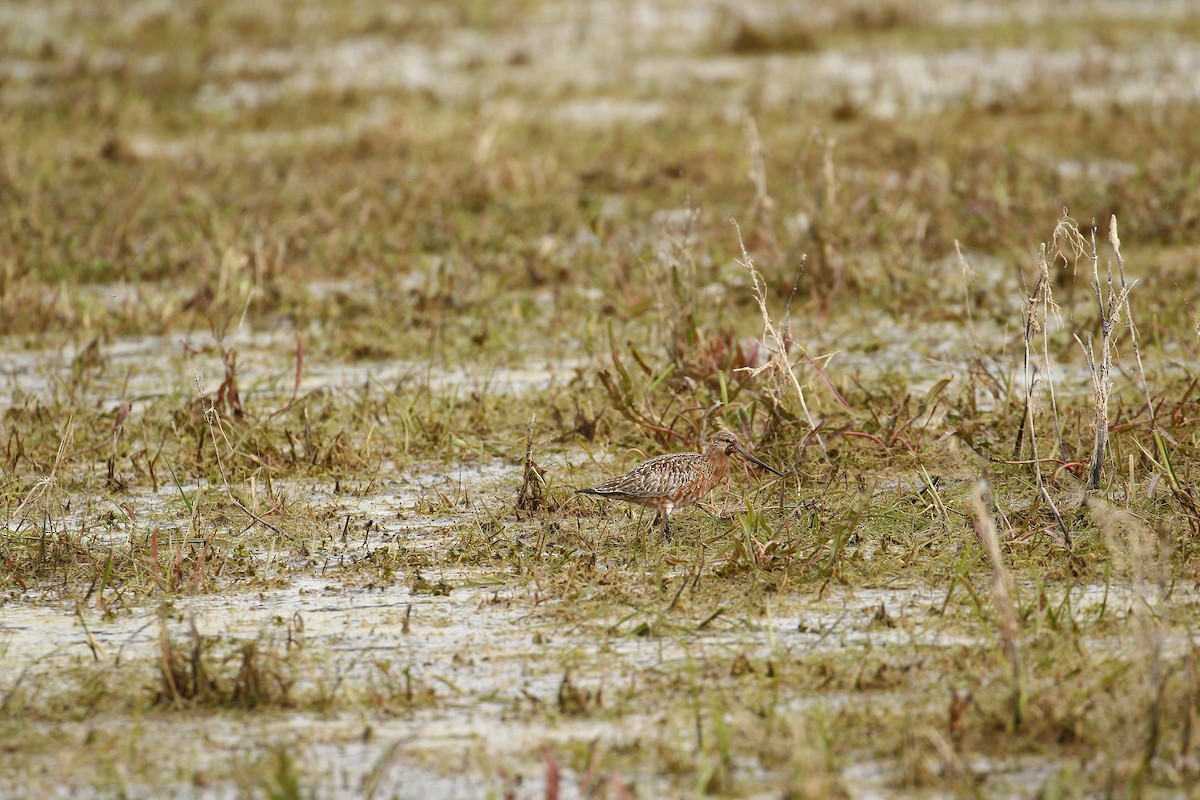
<point x="652" y="478"/>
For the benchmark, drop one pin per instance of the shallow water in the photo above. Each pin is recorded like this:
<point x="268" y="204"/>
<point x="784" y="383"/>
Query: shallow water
<point x="142" y="368"/>
<point x="486" y="651"/>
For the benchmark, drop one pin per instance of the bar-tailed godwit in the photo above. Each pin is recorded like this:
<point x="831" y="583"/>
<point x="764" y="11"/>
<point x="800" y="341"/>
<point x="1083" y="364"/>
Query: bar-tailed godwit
<point x="677" y="480"/>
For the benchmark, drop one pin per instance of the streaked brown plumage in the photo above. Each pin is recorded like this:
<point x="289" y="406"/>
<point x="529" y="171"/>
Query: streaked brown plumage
<point x="666" y="483"/>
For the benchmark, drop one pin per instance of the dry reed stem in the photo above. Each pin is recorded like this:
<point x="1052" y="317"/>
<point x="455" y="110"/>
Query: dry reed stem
<point x="1126" y="286"/>
<point x="1110" y="305"/>
<point x="1034" y="324"/>
<point x="1006" y="616"/>
<point x="1182" y="494"/>
<point x="778" y="358"/>
<point x="1049" y="309"/>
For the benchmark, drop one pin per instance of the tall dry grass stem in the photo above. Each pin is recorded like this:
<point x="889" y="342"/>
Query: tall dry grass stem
<point x="1115" y="241"/>
<point x="1006" y="615"/>
<point x="776" y="339"/>
<point x="1037" y="307"/>
<point x="1110" y="303"/>
<point x="1178" y="487"/>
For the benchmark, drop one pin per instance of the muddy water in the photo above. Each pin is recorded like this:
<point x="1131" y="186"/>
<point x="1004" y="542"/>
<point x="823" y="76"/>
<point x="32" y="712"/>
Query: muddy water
<point x="143" y="368"/>
<point x="491" y="658"/>
<point x="484" y="651"/>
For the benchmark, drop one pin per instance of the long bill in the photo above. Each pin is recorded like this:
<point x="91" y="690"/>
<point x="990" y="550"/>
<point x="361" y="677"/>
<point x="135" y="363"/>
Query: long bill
<point x="742" y="452"/>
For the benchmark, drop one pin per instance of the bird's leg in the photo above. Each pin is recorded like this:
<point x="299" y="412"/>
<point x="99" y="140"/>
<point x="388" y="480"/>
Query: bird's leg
<point x="666" y="515"/>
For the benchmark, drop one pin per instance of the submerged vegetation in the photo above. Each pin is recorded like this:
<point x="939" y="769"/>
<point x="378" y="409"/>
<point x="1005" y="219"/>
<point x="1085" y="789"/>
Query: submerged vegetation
<point x="314" y="319"/>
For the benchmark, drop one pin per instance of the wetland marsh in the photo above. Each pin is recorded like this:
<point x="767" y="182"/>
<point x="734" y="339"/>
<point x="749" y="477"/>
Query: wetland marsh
<point x="314" y="316"/>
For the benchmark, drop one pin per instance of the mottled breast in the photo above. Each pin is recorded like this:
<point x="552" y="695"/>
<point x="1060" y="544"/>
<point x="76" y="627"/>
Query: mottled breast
<point x="698" y="482"/>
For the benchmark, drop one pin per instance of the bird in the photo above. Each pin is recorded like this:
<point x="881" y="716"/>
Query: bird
<point x="677" y="480"/>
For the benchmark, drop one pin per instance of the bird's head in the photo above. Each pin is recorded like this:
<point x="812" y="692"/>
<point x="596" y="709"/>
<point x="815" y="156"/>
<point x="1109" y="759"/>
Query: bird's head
<point x="726" y="443"/>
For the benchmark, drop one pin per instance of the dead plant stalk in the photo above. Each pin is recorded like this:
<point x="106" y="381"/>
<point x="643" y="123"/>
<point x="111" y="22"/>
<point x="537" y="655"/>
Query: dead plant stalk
<point x="1006" y="616"/>
<point x="778" y="358"/>
<point x="1040" y="296"/>
<point x="1110" y="305"/>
